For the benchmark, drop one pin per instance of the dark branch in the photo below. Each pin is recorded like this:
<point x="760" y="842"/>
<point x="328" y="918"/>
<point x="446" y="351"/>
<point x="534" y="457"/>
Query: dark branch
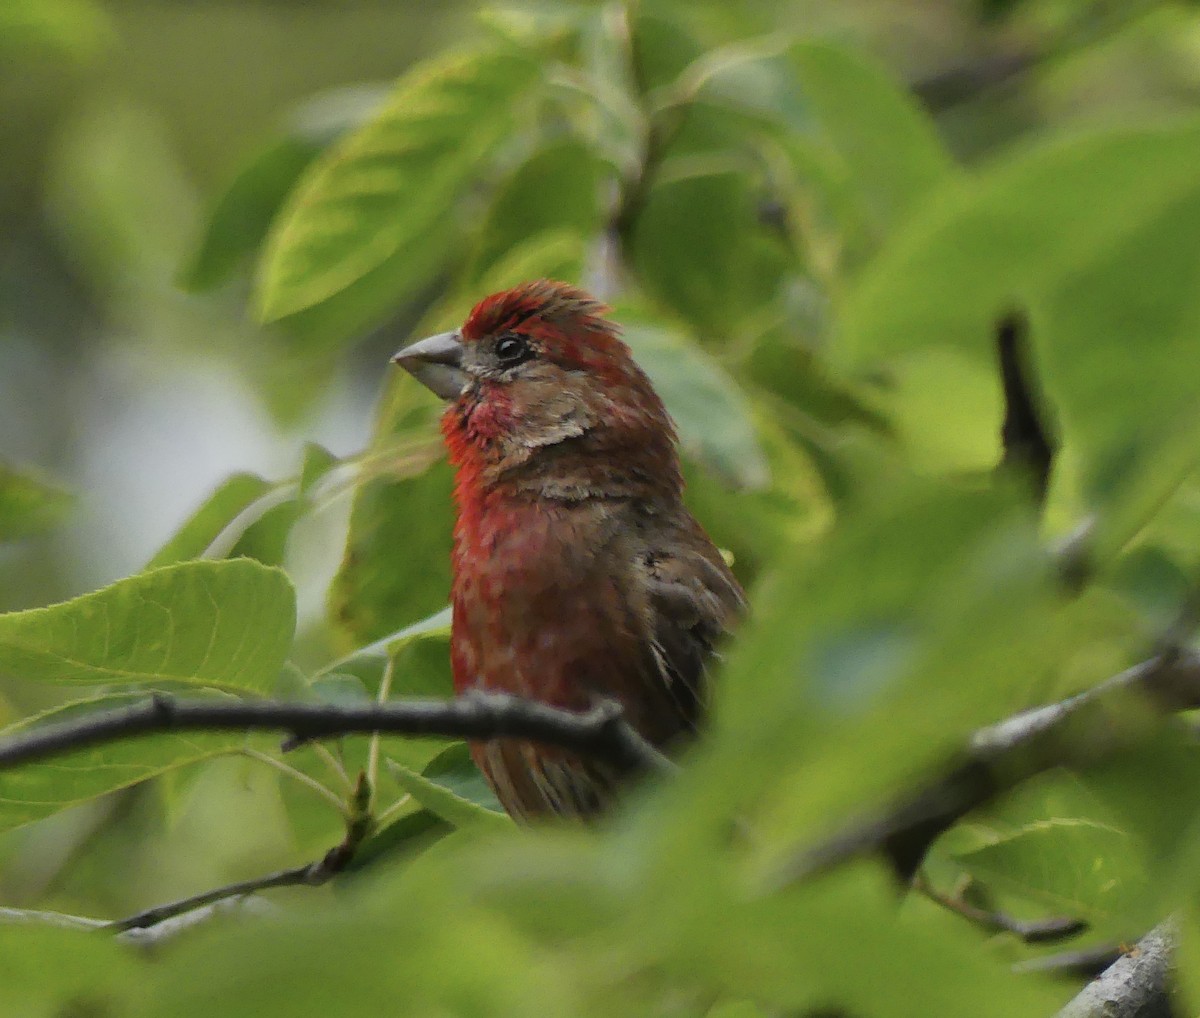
<point x="1031" y="931"/>
<point x="1085" y="963"/>
<point x="600" y="733"/>
<point x="964" y="83"/>
<point x="1028" y="445"/>
<point x="1082" y="729"/>
<point x="1136" y="985"/>
<point x="358" y="827"/>
<point x="306" y="875"/>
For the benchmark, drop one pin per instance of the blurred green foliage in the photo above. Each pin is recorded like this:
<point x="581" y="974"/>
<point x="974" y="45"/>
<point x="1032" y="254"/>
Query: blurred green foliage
<point x="810" y="221"/>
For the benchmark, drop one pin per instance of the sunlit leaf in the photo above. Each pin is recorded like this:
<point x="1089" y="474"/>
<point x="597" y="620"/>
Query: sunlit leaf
<point x="382" y="188"/>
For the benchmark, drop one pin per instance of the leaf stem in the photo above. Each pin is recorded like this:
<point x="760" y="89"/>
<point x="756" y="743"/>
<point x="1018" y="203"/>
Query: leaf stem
<point x="385" y="692"/>
<point x="297" y="775"/>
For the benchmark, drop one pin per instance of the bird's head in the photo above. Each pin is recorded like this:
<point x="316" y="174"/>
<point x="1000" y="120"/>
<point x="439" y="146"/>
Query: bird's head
<point x="542" y="392"/>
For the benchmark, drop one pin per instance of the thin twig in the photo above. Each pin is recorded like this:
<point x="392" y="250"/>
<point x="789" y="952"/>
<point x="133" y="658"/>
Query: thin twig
<point x="358" y="827"/>
<point x="1031" y="931"/>
<point x="310" y="874"/>
<point x="385" y="691"/>
<point x="600" y="732"/>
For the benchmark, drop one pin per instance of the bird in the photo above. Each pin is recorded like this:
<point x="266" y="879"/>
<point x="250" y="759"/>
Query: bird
<point x="578" y="574"/>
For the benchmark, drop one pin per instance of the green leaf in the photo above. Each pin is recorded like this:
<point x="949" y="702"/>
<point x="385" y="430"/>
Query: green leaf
<point x="397" y="560"/>
<point x="402" y="837"/>
<point x="700" y="247"/>
<point x="1151" y="792"/>
<point x="331" y="961"/>
<point x="47" y="972"/>
<point x="888" y="147"/>
<point x="848" y="676"/>
<point x="435" y="625"/>
<point x="340" y="688"/>
<point x="211" y="520"/>
<point x="556" y="189"/>
<point x="34" y="791"/>
<point x="385" y="187"/>
<point x="219" y="625"/>
<point x="1093" y="235"/>
<point x="240" y="218"/>
<point x="421" y="663"/>
<point x="29" y="505"/>
<point x="242" y="215"/>
<point x="1074" y="866"/>
<point x="443" y="796"/>
<point x="710" y="411"/>
<point x="318" y="461"/>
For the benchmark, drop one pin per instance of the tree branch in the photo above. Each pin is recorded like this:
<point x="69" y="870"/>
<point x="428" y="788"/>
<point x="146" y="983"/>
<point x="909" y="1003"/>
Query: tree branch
<point x="1078" y="730"/>
<point x="1134" y="986"/>
<point x="1029" y="446"/>
<point x="1031" y="931"/>
<point x="601" y="732"/>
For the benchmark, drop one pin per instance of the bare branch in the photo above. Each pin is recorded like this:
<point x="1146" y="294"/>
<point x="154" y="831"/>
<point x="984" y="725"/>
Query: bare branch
<point x="601" y="732"/>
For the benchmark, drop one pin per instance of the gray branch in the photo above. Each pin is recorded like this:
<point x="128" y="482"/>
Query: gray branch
<point x="1136" y="985"/>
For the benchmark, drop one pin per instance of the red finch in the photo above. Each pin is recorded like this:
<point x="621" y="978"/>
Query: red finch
<point x="578" y="572"/>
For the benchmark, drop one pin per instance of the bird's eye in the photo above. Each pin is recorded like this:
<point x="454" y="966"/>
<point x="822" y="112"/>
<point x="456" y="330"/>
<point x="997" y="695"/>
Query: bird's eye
<point x="512" y="350"/>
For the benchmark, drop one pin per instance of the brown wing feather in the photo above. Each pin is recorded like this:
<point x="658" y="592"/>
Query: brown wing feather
<point x="695" y="600"/>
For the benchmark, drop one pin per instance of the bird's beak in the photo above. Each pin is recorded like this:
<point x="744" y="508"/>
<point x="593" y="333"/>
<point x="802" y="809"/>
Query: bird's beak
<point x="436" y="363"/>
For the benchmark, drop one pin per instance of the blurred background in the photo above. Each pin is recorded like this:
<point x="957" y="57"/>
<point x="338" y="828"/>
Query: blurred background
<point x="123" y="121"/>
